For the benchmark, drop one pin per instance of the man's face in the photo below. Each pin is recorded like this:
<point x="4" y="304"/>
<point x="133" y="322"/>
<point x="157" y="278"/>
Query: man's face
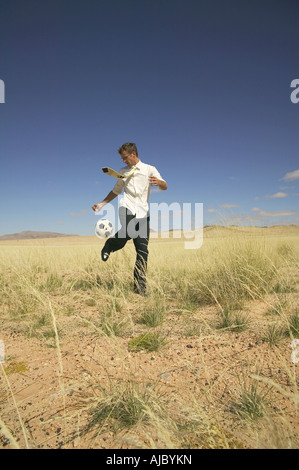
<point x="129" y="159"/>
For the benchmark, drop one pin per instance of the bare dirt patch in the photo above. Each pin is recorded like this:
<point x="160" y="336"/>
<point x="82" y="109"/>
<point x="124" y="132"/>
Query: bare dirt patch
<point x="196" y="372"/>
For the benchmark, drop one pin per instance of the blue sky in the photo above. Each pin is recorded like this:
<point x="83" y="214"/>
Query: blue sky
<point x="202" y="88"/>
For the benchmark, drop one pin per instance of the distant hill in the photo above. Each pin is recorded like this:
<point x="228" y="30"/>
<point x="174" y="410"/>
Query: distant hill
<point x="29" y="235"/>
<point x="209" y="231"/>
<point x="216" y="231"/>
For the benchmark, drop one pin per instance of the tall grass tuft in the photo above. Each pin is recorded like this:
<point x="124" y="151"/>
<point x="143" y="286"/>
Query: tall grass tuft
<point x="148" y="341"/>
<point x="252" y="403"/>
<point x="293" y="325"/>
<point x="153" y="314"/>
<point x="112" y="325"/>
<point x="236" y="322"/>
<point x="121" y="407"/>
<point x="242" y="271"/>
<point x="274" y="334"/>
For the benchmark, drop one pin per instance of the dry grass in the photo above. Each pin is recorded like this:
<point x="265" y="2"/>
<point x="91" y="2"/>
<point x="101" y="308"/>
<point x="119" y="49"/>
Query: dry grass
<point x="106" y="368"/>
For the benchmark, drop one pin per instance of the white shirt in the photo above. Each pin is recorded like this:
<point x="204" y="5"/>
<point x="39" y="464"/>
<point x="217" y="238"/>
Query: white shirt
<point x="136" y="188"/>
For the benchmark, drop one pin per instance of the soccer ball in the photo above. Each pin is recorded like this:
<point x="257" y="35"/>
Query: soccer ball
<point x="103" y="228"/>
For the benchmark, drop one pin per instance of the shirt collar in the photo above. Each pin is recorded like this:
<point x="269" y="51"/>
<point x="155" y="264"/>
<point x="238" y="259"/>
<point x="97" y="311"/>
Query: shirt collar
<point x="139" y="165"/>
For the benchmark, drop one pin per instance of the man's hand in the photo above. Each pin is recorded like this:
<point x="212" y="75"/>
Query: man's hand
<point x="153" y="181"/>
<point x="98" y="207"/>
<point x="156" y="182"/>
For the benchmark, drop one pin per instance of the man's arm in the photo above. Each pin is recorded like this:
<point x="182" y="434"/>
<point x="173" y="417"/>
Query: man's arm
<point x="97" y="207"/>
<point x="156" y="182"/>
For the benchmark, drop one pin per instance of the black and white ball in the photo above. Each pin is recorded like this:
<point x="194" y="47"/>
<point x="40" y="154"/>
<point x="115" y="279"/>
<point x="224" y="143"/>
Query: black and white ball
<point x="103" y="228"/>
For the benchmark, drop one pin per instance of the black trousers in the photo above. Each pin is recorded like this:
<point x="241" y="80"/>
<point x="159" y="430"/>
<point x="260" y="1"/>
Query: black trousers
<point x="138" y="231"/>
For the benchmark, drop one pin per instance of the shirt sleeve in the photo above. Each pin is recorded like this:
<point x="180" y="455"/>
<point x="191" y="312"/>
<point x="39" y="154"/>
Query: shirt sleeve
<point x="118" y="186"/>
<point x="154" y="172"/>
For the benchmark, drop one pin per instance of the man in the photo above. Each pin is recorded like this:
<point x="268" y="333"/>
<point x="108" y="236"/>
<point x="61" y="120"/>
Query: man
<point x="133" y="210"/>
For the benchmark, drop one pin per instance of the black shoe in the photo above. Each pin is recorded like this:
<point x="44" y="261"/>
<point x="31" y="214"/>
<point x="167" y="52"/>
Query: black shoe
<point x="141" y="292"/>
<point x="104" y="254"/>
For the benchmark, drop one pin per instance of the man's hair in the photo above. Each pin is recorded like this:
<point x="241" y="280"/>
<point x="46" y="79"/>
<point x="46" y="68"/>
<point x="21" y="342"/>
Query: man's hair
<point x="128" y="147"/>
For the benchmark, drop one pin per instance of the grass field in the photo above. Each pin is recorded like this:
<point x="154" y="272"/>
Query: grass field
<point x="203" y="362"/>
